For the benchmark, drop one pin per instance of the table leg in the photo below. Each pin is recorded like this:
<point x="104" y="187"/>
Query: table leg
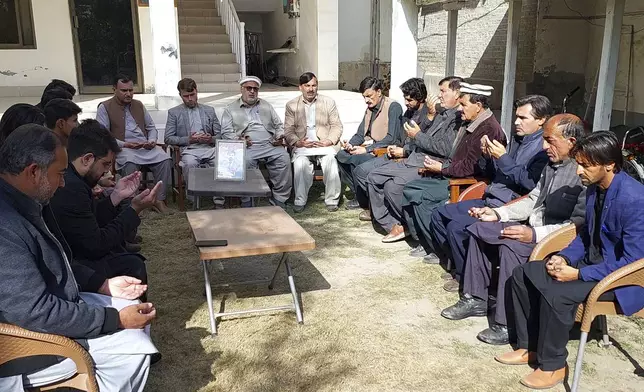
<point x="197" y="202"/>
<point x="296" y="301"/>
<point x="284" y="255"/>
<point x="206" y="275"/>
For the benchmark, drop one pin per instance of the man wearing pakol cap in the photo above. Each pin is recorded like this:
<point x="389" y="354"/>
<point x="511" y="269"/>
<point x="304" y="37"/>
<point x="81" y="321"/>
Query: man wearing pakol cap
<point x="255" y="120"/>
<point x="421" y="197"/>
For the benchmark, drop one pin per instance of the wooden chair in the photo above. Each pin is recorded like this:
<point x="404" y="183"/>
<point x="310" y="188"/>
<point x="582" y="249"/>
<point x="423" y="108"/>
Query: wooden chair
<point x="629" y="275"/>
<point x="17" y="343"/>
<point x="456" y="185"/>
<point x="178" y="185"/>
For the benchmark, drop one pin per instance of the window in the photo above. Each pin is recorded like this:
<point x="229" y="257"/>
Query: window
<point x="17" y="27"/>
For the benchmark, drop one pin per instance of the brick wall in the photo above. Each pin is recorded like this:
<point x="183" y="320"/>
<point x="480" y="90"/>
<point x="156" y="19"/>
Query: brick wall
<point x="481" y="40"/>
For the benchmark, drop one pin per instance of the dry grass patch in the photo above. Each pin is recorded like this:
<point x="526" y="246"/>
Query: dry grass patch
<point x="372" y="321"/>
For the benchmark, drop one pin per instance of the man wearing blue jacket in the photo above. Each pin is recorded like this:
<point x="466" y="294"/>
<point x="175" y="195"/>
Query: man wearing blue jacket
<point x="550" y="291"/>
<point x="517" y="171"/>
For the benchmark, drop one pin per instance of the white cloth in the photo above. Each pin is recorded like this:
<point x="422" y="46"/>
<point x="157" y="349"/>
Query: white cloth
<point x="121" y="359"/>
<point x="303" y="172"/>
<point x="313" y="151"/>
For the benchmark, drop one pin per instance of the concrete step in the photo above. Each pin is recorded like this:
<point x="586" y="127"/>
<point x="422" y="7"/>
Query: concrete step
<point x="218" y="87"/>
<point x="197" y="12"/>
<point x="207" y="58"/>
<point x="206" y="48"/>
<point x="199" y="21"/>
<point x="186" y="38"/>
<point x="229" y="68"/>
<point x="202" y="29"/>
<point x="213" y="77"/>
<point x="197" y="4"/>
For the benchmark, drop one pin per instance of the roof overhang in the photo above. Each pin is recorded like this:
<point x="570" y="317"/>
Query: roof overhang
<point x="431" y="6"/>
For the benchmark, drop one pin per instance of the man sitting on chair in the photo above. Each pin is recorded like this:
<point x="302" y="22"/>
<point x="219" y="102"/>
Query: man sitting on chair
<point x="255" y="120"/>
<point x="38" y="291"/>
<point x="545" y="294"/>
<point x="421" y="197"/>
<point x="313" y="128"/>
<point x="97" y="229"/>
<point x="131" y="125"/>
<point x="500" y="239"/>
<point x="380" y="127"/>
<point x="516" y="171"/>
<point x="194" y="128"/>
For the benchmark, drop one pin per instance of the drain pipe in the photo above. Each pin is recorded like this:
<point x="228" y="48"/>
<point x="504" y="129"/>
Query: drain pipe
<point x="375" y="38"/>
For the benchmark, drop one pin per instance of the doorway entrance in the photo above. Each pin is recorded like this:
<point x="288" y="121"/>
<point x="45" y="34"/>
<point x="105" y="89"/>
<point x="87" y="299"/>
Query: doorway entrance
<point x="106" y="43"/>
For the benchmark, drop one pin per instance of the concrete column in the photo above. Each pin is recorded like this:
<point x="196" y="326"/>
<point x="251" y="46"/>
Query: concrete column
<point x="165" y="46"/>
<point x="608" y="64"/>
<point x="327" y="37"/>
<point x="452" y="29"/>
<point x="510" y="74"/>
<point x="404" y="45"/>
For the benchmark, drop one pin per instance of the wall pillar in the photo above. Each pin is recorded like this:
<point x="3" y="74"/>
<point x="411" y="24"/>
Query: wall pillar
<point x="165" y="46"/>
<point x="404" y="45"/>
<point x="510" y="74"/>
<point x="327" y="56"/>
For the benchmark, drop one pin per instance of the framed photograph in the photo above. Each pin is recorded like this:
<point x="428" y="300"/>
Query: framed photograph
<point x="230" y="160"/>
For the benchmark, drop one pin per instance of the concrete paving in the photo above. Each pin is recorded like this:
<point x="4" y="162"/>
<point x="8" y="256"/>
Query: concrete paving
<point x="350" y="105"/>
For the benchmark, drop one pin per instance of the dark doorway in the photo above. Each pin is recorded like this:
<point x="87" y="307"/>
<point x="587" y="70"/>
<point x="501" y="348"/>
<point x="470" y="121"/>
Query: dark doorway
<point x="106" y="39"/>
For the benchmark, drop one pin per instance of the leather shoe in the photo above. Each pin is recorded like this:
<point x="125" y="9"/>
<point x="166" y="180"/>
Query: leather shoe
<point x="397" y="233"/>
<point x="497" y="335"/>
<point x="298" y="209"/>
<point x="154" y="358"/>
<point x="467" y="306"/>
<point x="431" y="259"/>
<point x="418" y="251"/>
<point x="352" y="205"/>
<point x="132" y="248"/>
<point x="446" y="276"/>
<point x="451" y="286"/>
<point x="517" y="357"/>
<point x="331" y="208"/>
<point x="541" y="379"/>
<point x="365" y="216"/>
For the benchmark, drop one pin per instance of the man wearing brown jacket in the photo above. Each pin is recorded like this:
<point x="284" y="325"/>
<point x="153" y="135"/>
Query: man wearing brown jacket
<point x="312" y="127"/>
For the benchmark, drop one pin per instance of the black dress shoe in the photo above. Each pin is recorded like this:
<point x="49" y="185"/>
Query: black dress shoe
<point x="467" y="306"/>
<point x="418" y="251"/>
<point x="154" y="358"/>
<point x="132" y="248"/>
<point x="497" y="334"/>
<point x="352" y="205"/>
<point x="431" y="259"/>
<point x="137" y="239"/>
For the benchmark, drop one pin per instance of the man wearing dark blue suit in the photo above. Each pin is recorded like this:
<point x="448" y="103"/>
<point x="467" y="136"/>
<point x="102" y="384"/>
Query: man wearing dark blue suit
<point x="545" y="294"/>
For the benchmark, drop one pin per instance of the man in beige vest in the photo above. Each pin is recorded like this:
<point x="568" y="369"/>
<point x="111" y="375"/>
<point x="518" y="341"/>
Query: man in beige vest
<point x="381" y="127"/>
<point x="255" y="120"/>
<point x="131" y="125"/>
<point x="313" y="128"/>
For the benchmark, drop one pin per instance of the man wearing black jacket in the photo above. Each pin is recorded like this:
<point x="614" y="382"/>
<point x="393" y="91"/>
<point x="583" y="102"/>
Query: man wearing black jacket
<point x="38" y="290"/>
<point x="96" y="229"/>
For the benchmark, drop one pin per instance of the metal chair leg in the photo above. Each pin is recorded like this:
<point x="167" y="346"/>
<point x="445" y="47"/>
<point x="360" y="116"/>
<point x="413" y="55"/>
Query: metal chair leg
<point x="579" y="362"/>
<point x="603" y="327"/>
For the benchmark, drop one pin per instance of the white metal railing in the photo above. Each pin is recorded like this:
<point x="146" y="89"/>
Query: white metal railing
<point x="236" y="31"/>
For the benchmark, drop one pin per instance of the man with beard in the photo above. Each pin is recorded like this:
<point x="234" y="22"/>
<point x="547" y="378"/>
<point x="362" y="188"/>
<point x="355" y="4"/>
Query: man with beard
<point x="194" y="128"/>
<point x="95" y="229"/>
<point x="38" y="292"/>
<point x="255" y="120"/>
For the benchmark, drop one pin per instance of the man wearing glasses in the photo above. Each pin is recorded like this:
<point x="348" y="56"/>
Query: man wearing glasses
<point x="254" y="120"/>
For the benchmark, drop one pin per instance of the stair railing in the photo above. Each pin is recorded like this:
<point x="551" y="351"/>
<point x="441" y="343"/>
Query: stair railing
<point x="235" y="30"/>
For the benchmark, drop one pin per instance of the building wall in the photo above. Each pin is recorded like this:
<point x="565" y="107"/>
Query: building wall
<point x="24" y="72"/>
<point x="147" y="54"/>
<point x="354" y="36"/>
<point x="480" y="43"/>
<point x="252" y="21"/>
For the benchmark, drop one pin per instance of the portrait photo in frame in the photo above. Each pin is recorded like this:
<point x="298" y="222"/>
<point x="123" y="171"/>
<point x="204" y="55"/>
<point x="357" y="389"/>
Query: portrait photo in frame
<point x="230" y="160"/>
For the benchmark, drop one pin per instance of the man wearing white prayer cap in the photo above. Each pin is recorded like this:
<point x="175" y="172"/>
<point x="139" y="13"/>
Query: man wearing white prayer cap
<point x="422" y="197"/>
<point x="256" y="121"/>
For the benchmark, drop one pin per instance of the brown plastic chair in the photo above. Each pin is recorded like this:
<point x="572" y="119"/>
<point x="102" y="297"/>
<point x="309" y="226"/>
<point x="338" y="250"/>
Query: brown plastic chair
<point x="456" y="185"/>
<point x="473" y="192"/>
<point x="629" y="275"/>
<point x="18" y="342"/>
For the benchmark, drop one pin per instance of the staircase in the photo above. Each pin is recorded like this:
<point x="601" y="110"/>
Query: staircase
<point x="206" y="52"/>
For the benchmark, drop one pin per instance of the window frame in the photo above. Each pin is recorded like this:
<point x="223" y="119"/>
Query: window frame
<point x="21" y="30"/>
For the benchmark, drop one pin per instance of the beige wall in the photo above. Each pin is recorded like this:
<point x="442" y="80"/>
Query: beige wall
<point x="24" y="72"/>
<point x="147" y="55"/>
